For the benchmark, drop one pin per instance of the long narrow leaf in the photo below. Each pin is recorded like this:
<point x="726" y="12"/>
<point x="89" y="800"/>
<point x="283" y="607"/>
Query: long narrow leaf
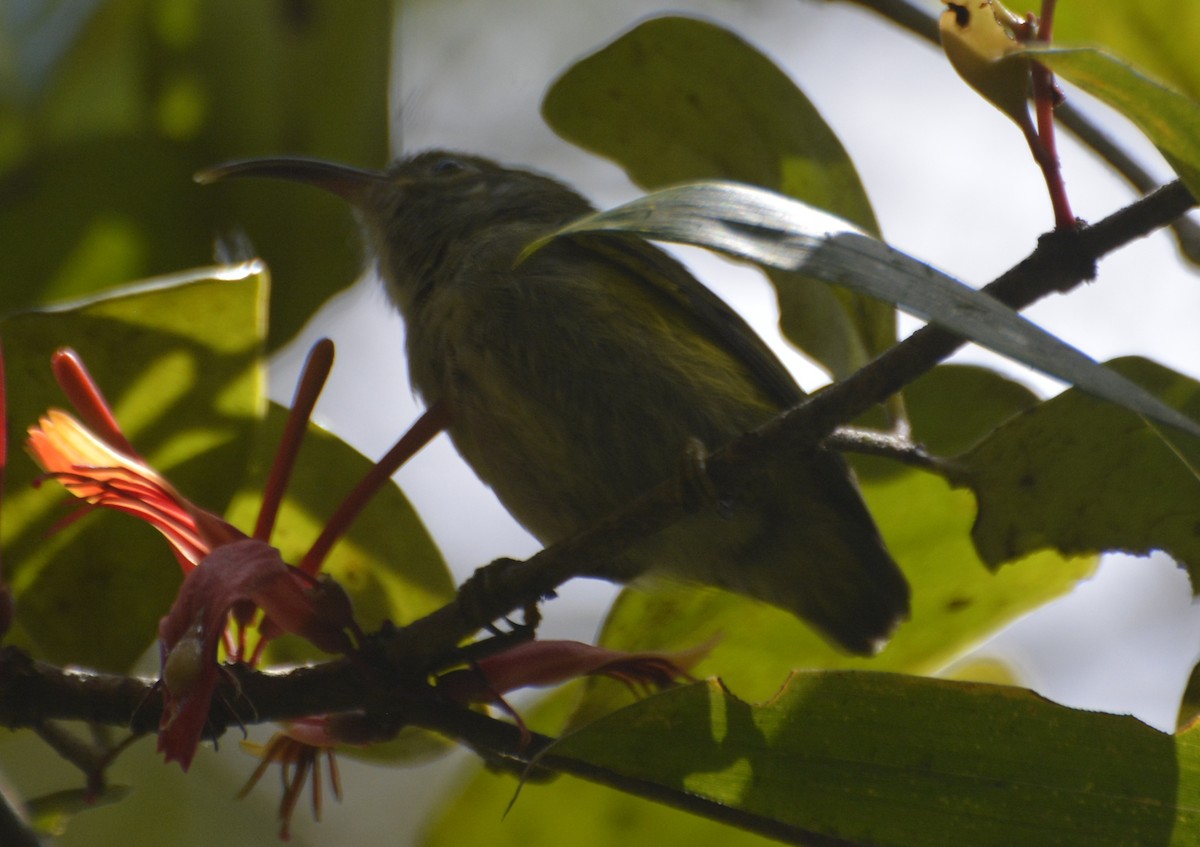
<point x="775" y="231"/>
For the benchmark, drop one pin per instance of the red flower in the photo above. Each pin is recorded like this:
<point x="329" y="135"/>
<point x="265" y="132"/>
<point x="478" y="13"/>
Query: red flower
<point x="105" y="476"/>
<point x="298" y="751"/>
<point x="236" y="579"/>
<point x="228" y="575"/>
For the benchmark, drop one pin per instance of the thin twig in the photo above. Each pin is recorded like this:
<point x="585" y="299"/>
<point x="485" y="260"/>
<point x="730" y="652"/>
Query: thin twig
<point x="887" y="445"/>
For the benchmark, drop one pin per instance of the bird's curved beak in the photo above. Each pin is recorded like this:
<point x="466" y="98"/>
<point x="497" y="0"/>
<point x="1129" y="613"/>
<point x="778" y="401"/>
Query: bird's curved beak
<point x="354" y="185"/>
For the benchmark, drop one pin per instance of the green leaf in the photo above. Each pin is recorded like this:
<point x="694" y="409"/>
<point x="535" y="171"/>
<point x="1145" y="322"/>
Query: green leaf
<point x="871" y="758"/>
<point x="883" y="759"/>
<point x="181" y="362"/>
<point x="387" y="562"/>
<point x="773" y="230"/>
<point x="51" y="813"/>
<point x="677" y="99"/>
<point x="1169" y="119"/>
<point x="99" y="141"/>
<point x="1158" y="35"/>
<point x="953" y="407"/>
<point x="1082" y="476"/>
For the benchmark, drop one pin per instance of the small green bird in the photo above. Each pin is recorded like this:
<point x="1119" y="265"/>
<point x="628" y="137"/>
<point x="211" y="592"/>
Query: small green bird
<point x="576" y="378"/>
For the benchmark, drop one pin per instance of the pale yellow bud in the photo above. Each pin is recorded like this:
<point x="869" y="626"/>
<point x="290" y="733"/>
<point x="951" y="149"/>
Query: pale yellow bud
<point x="977" y="36"/>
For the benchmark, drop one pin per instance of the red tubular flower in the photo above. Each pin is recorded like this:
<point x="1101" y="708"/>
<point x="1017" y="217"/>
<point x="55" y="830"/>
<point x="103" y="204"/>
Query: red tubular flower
<point x="298" y="750"/>
<point x="95" y="462"/>
<point x="236" y="579"/>
<point x="228" y="576"/>
<point x="104" y="476"/>
<point x="545" y="663"/>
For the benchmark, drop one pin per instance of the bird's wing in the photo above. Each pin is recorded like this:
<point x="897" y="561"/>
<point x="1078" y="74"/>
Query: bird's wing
<point x="712" y="316"/>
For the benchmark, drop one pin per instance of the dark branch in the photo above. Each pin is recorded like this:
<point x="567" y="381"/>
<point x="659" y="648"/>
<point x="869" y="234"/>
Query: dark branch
<point x="333" y="687"/>
<point x="892" y="446"/>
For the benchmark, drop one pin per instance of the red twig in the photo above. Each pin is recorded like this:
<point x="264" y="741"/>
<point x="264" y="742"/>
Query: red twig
<point x="1045" y="98"/>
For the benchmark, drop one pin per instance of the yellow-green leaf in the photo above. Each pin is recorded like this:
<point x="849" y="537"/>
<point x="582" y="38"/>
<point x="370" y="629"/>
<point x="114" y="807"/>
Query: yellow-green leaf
<point x="181" y="362"/>
<point x="887" y="759"/>
<point x="1169" y="119"/>
<point x="50" y="814"/>
<point x="1082" y="476"/>
<point x="679" y="99"/>
<point x="1158" y="35"/>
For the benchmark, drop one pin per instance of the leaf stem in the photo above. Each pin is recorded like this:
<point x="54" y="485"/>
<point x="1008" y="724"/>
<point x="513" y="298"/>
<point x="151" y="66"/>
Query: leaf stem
<point x="1045" y="97"/>
<point x="887" y="445"/>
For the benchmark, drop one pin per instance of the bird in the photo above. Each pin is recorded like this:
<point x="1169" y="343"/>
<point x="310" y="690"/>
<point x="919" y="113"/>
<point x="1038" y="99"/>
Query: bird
<point x="577" y="377"/>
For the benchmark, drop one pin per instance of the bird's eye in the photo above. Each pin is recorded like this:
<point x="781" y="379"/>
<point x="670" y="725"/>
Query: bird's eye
<point x="447" y="166"/>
